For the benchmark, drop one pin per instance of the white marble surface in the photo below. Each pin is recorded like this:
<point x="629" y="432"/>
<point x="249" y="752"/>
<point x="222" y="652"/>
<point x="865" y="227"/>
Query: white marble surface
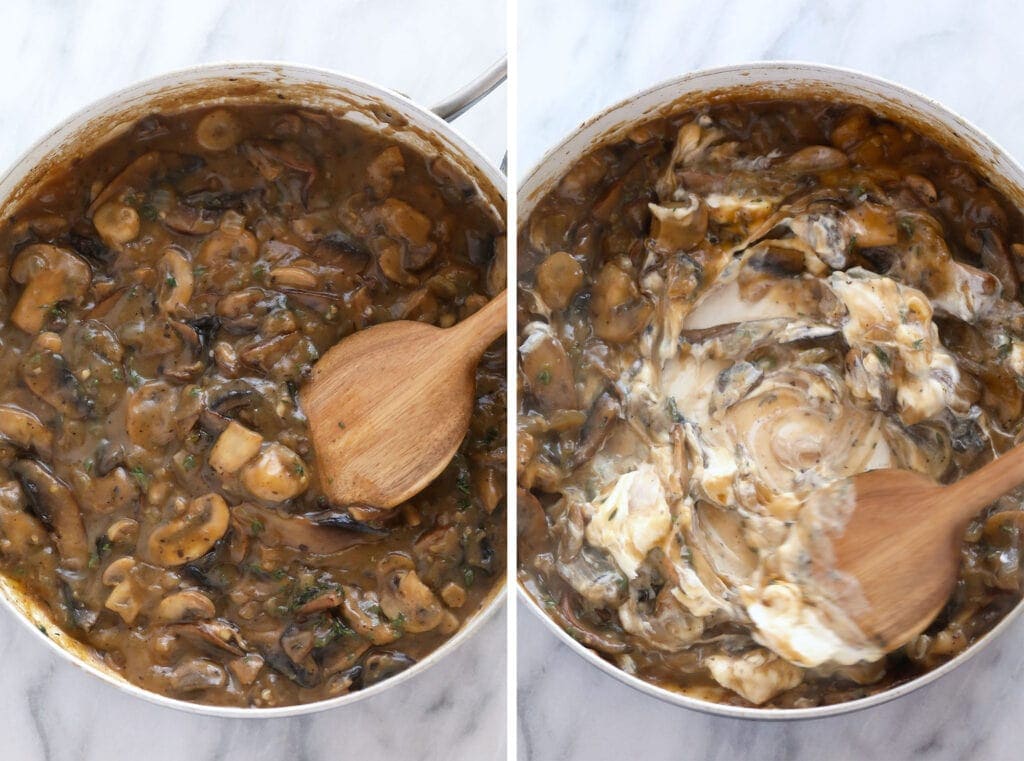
<point x="58" y="56"/>
<point x="577" y="57"/>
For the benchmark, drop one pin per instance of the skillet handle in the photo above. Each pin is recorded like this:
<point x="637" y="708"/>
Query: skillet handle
<point x="465" y="98"/>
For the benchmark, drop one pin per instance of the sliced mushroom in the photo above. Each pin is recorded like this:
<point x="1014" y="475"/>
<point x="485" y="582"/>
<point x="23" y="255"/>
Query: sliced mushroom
<point x="47" y="374"/>
<point x="404" y="597"/>
<point x="618" y="310"/>
<point x="234" y="448"/>
<point x="176" y="282"/>
<point x="116" y="223"/>
<point x="678" y="225"/>
<point x="301" y="533"/>
<point x="362" y="611"/>
<point x="53" y="503"/>
<point x="191" y="532"/>
<point x="20" y="532"/>
<point x="218" y="131"/>
<point x="383" y="665"/>
<point x="183" y="606"/>
<point x="152" y="417"/>
<point x="24" y="430"/>
<point x="382" y="171"/>
<point x="547" y="369"/>
<point x="196" y="674"/>
<point x="51" y="276"/>
<point x="276" y="475"/>
<point x="216" y="634"/>
<point x="559" y="278"/>
<point x="815" y="158"/>
<point x="106" y="494"/>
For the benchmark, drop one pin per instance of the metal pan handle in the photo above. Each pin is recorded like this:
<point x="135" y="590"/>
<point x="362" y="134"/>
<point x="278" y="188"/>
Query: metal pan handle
<point x="468" y="96"/>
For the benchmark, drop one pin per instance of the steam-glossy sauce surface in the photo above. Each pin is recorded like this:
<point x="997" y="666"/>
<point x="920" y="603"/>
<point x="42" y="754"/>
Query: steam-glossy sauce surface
<point x="162" y="303"/>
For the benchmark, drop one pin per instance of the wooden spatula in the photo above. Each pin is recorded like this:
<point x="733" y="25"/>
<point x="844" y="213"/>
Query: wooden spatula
<point x="902" y="542"/>
<point x="388" y="406"/>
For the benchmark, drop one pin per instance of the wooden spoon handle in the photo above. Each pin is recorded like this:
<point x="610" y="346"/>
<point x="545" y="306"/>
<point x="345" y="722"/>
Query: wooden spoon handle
<point x="480" y="329"/>
<point x="988" y="483"/>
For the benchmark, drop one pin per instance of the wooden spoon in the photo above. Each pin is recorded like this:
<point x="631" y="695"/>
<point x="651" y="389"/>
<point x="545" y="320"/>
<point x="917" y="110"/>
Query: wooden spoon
<point x="902" y="542"/>
<point x="388" y="406"/>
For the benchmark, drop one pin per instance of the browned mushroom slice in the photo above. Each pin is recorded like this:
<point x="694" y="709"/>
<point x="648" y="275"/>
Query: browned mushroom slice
<point x="618" y="309"/>
<point x="547" y="369"/>
<point x="135" y="175"/>
<point x="156" y="415"/>
<point x="217" y="635"/>
<point x="405" y="599"/>
<point x="591" y="636"/>
<point x="196" y="674"/>
<point x="191" y="532"/>
<point x="559" y="278"/>
<point x="595" y="431"/>
<point x="813" y="159"/>
<point x="186" y="605"/>
<point x="51" y="276"/>
<point x="363" y="613"/>
<point x="53" y="503"/>
<point x="21" y="533"/>
<point x="383" y="665"/>
<point x="46" y="372"/>
<point x="107" y="493"/>
<point x="25" y="430"/>
<point x="300" y="532"/>
<point x="678" y="225"/>
<point x="382" y="171"/>
<point x="277" y="474"/>
<point x="218" y="131"/>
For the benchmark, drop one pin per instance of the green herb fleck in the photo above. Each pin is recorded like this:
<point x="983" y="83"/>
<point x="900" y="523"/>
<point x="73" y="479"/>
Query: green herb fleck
<point x="462" y="482"/>
<point x="1004" y="349"/>
<point x="199" y="271"/>
<point x="852" y="245"/>
<point x="544" y="377"/>
<point x="340" y="424"/>
<point x="88" y="465"/>
<point x="259" y="271"/>
<point x="398" y="623"/>
<point x="918" y="343"/>
<point x="906" y="226"/>
<point x="256" y="527"/>
<point x="188" y="462"/>
<point x="882" y="356"/>
<point x="140" y="475"/>
<point x="42" y="628"/>
<point x="674" y="411"/>
<point x="463" y="503"/>
<point x="148" y="212"/>
<point x="171" y="282"/>
<point x="468" y="576"/>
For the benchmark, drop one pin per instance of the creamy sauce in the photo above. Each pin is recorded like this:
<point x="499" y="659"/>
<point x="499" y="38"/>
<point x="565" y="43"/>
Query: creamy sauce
<point x="726" y="316"/>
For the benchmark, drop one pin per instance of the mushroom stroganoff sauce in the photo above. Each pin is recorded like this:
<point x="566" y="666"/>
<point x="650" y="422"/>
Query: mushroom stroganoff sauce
<point x="721" y="317"/>
<point x="162" y="302"/>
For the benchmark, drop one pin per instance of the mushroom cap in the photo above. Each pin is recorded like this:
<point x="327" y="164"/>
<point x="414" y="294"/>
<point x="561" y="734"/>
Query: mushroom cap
<point x="50" y="275"/>
<point x="191" y="533"/>
<point x="276" y="475"/>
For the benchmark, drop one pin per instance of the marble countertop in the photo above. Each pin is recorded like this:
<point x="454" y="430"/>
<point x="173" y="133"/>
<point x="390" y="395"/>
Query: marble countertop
<point x="966" y="56"/>
<point x="59" y="55"/>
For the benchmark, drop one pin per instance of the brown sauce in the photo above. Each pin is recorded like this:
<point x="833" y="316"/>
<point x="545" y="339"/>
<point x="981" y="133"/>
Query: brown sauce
<point x="161" y="303"/>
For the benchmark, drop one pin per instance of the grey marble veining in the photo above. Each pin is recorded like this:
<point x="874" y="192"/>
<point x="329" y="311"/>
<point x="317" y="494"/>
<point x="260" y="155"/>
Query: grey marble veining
<point x="578" y="57"/>
<point x="59" y="56"/>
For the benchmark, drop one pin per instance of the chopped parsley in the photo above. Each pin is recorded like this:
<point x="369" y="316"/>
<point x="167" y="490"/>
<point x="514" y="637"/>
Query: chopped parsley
<point x="398" y="623"/>
<point x="340" y="424"/>
<point x="468" y="576"/>
<point x="883" y="357"/>
<point x="189" y="462"/>
<point x="544" y="377"/>
<point x="256" y="527"/>
<point x="140" y="475"/>
<point x="906" y="226"/>
<point x="171" y="281"/>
